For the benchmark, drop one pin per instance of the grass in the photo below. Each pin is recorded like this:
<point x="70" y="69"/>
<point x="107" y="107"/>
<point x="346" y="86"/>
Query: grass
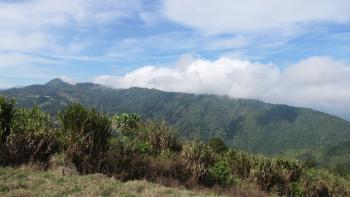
<point x="24" y="182"/>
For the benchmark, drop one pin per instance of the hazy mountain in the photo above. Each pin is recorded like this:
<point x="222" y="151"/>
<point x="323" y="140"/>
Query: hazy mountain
<point x="247" y="124"/>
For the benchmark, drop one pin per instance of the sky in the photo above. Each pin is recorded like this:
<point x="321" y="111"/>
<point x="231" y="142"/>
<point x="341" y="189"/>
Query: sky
<point x="293" y="52"/>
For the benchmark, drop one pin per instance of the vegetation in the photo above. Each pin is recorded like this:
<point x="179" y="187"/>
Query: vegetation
<point x="85" y="135"/>
<point x="19" y="182"/>
<point x="248" y="125"/>
<point x="127" y="147"/>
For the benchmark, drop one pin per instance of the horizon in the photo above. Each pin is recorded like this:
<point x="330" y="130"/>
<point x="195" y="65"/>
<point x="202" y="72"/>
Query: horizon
<point x="234" y="48"/>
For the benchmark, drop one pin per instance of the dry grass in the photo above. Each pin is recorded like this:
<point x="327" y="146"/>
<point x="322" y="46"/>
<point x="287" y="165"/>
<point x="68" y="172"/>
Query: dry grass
<point x="26" y="182"/>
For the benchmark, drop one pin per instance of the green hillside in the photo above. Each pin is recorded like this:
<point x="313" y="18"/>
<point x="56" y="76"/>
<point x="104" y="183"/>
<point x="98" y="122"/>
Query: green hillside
<point x="335" y="157"/>
<point x="245" y="124"/>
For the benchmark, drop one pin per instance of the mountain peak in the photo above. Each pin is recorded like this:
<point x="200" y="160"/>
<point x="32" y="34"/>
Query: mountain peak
<point x="57" y="82"/>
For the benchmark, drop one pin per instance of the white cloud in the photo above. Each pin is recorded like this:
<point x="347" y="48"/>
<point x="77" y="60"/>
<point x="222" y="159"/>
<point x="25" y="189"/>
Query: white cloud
<point x="33" y="14"/>
<point x="46" y="26"/>
<point x="254" y="15"/>
<point x="37" y="35"/>
<point x="318" y="82"/>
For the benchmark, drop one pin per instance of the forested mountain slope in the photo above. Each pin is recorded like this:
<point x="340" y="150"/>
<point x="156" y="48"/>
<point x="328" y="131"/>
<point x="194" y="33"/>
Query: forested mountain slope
<point x="242" y="123"/>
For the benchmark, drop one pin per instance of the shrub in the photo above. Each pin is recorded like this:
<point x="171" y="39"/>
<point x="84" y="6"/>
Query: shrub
<point x="197" y="158"/>
<point x="217" y="145"/>
<point x="160" y="136"/>
<point x="166" y="154"/>
<point x="239" y="163"/>
<point x="167" y="171"/>
<point x="32" y="138"/>
<point x="126" y="124"/>
<point x="6" y="114"/>
<point x="319" y="182"/>
<point x="86" y="134"/>
<point x="143" y="148"/>
<point x="220" y="173"/>
<point x="123" y="163"/>
<point x="276" y="174"/>
<point x="265" y="175"/>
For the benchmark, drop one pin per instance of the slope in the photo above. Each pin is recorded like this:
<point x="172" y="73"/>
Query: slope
<point x="242" y="123"/>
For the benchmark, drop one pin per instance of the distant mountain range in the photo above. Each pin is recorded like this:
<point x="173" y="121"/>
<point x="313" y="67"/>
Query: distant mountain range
<point x="242" y="123"/>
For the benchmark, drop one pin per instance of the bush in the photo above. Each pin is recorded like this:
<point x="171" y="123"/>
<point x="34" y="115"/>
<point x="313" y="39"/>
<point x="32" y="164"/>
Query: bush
<point x="220" y="173"/>
<point x="167" y="171"/>
<point x="6" y="114"/>
<point x="126" y="124"/>
<point x="167" y="154"/>
<point x="86" y="134"/>
<point x="197" y="158"/>
<point x="316" y="182"/>
<point x="239" y="163"/>
<point x="160" y="136"/>
<point x="276" y="174"/>
<point x="31" y="137"/>
<point x="122" y="162"/>
<point x="217" y="145"/>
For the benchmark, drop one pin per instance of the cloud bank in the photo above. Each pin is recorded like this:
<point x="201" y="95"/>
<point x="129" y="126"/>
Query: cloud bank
<point x="317" y="82"/>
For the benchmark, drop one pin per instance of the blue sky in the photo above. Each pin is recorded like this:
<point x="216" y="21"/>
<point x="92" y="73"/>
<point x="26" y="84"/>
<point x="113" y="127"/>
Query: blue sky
<point x="118" y="42"/>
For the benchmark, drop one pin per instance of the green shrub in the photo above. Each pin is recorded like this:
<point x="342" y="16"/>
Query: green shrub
<point x="320" y="182"/>
<point x="165" y="171"/>
<point x="160" y="136"/>
<point x="167" y="154"/>
<point x="32" y="138"/>
<point x="197" y="158"/>
<point x="220" y="173"/>
<point x="276" y="174"/>
<point x="217" y="145"/>
<point x="126" y="124"/>
<point x="6" y="114"/>
<point x="239" y="163"/>
<point x="296" y="189"/>
<point x="144" y="148"/>
<point x="86" y="134"/>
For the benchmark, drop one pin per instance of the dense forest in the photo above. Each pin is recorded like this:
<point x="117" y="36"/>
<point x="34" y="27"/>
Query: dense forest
<point x="83" y="141"/>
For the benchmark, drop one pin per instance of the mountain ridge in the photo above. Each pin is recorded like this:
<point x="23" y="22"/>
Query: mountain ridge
<point x="247" y="124"/>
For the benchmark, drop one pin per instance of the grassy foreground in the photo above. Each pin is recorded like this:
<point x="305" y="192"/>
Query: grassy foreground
<point x="19" y="182"/>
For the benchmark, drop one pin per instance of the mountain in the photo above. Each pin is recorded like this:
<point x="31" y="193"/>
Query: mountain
<point x="242" y="123"/>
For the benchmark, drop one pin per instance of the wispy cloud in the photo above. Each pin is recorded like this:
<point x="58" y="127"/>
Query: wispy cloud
<point x="38" y="35"/>
<point x="253" y="15"/>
